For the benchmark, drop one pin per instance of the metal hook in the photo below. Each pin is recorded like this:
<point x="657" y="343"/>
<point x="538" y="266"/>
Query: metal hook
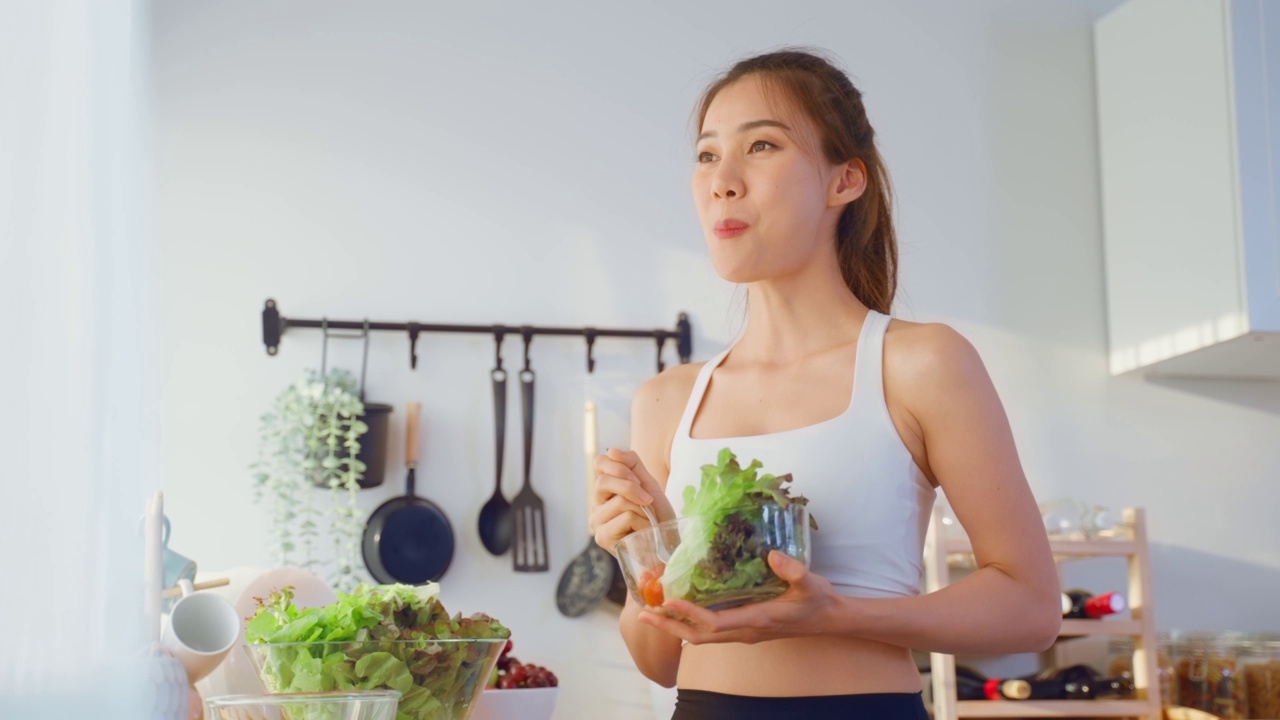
<point x="324" y="350"/>
<point x="590" y="334"/>
<point x="364" y="365"/>
<point x="526" y="333"/>
<point x="414" y="328"/>
<point x="499" y="334"/>
<point x="661" y="340"/>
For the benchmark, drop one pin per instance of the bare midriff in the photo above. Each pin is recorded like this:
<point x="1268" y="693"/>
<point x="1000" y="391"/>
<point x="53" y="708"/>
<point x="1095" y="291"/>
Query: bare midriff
<point x="799" y="667"/>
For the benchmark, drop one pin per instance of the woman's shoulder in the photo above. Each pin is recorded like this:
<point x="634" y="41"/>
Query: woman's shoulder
<point x="656" y="411"/>
<point x="928" y="353"/>
<point x="667" y="392"/>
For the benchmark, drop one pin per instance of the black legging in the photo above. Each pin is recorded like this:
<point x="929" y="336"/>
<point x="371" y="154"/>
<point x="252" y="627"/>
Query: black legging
<point x="703" y="705"/>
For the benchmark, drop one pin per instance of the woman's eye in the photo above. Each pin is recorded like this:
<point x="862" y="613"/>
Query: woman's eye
<point x="759" y="145"/>
<point x="705" y="157"/>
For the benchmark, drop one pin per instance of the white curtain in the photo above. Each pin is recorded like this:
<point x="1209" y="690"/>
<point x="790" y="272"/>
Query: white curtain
<point x="78" y="451"/>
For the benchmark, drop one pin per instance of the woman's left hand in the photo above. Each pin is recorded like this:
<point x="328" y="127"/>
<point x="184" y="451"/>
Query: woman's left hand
<point x="801" y="610"/>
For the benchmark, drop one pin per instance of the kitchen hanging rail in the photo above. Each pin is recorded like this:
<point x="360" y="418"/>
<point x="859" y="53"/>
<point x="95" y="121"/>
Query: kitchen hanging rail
<point x="274" y="326"/>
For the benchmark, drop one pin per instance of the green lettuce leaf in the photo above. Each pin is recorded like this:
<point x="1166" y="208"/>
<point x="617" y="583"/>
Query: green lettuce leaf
<point x="376" y="637"/>
<point x="719" y="550"/>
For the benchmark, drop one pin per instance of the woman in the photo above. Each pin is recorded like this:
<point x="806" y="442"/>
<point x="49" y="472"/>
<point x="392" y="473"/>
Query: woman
<point x="870" y="415"/>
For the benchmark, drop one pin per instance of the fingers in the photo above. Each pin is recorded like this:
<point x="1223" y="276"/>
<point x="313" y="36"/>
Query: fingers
<point x="608" y="487"/>
<point x="618" y="496"/>
<point x="698" y="629"/>
<point x="787" y="567"/>
<point x="798" y="611"/>
<point x="614" y="477"/>
<point x="631" y="460"/>
<point x="609" y="533"/>
<point x="670" y="626"/>
<point x="615" y="506"/>
<point x="716" y="623"/>
<point x="625" y="466"/>
<point x="615" y="519"/>
<point x="618" y="467"/>
<point x="624" y="486"/>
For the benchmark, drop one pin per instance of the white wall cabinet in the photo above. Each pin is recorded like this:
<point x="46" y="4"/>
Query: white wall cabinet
<point x="1189" y="135"/>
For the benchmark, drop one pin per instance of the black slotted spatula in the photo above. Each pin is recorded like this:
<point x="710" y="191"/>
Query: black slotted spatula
<point x="529" y="552"/>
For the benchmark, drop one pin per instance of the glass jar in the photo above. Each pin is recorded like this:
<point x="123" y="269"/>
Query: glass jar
<point x="1120" y="662"/>
<point x="1207" y="666"/>
<point x="1260" y="665"/>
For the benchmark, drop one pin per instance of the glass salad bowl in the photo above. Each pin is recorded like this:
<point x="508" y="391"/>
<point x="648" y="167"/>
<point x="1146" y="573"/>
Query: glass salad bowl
<point x="716" y="566"/>
<point x="437" y="679"/>
<point x="363" y="705"/>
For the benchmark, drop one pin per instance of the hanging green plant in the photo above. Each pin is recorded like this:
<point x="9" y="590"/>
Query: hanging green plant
<point x="311" y="436"/>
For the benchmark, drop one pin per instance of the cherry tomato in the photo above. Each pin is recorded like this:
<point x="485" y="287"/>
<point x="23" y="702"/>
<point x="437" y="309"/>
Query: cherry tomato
<point x="653" y="594"/>
<point x="650" y="585"/>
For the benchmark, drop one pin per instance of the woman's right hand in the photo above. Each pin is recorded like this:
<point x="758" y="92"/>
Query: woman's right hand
<point x="623" y="485"/>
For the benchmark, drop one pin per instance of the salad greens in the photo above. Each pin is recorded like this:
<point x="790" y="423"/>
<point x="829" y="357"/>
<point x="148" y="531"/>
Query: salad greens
<point x="382" y="636"/>
<point x="722" y="548"/>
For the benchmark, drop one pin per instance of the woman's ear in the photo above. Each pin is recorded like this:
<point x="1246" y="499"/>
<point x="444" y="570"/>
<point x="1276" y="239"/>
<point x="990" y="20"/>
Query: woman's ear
<point x="848" y="184"/>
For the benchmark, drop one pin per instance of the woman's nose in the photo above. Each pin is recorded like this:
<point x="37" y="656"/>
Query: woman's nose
<point x="727" y="182"/>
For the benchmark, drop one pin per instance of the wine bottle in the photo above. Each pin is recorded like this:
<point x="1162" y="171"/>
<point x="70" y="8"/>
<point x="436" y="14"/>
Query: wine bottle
<point x="1077" y="673"/>
<point x="1082" y="604"/>
<point x="1074" y="682"/>
<point x="968" y="688"/>
<point x="973" y="685"/>
<point x="1075" y="687"/>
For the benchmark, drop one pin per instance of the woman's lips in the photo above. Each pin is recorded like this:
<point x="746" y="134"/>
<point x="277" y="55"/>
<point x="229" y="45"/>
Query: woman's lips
<point x="730" y="228"/>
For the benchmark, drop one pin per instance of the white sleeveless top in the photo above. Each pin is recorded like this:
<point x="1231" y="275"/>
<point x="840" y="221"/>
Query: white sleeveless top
<point x="870" y="499"/>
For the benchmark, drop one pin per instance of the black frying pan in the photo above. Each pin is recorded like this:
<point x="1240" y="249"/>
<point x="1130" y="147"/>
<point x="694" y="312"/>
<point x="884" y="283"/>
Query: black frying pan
<point x="408" y="539"/>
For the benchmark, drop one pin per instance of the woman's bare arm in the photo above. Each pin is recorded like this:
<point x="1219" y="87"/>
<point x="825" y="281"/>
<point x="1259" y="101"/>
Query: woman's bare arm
<point x="655" y="410"/>
<point x="1012" y="602"/>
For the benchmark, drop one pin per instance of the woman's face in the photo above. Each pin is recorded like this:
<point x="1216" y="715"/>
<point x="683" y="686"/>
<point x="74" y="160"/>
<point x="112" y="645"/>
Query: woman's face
<point x="763" y="192"/>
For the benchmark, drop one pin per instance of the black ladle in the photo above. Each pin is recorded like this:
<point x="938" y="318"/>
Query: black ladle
<point x="495" y="516"/>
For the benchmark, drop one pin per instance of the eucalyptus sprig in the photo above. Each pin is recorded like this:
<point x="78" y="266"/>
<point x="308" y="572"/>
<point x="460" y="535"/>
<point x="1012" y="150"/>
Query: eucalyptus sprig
<point x="309" y="438"/>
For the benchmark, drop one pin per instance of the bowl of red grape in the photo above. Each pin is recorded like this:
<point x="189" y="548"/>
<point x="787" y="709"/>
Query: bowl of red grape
<point x="517" y="691"/>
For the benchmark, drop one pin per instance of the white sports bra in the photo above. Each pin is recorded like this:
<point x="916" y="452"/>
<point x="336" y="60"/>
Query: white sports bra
<point x="870" y="499"/>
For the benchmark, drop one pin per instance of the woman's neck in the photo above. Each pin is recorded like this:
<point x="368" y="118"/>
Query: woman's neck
<point x="797" y="315"/>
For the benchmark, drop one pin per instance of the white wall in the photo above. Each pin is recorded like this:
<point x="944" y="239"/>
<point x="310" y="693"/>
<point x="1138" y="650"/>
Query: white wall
<point x="529" y="164"/>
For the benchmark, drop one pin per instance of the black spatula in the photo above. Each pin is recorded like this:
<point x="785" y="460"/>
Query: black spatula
<point x="529" y="553"/>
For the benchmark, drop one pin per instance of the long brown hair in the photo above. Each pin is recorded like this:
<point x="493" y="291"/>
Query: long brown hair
<point x="866" y="245"/>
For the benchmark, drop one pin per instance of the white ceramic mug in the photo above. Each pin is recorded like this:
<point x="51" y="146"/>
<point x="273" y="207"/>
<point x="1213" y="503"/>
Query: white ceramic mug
<point x="200" y="631"/>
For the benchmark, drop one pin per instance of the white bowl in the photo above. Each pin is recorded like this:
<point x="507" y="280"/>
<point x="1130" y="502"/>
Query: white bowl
<point x="516" y="704"/>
